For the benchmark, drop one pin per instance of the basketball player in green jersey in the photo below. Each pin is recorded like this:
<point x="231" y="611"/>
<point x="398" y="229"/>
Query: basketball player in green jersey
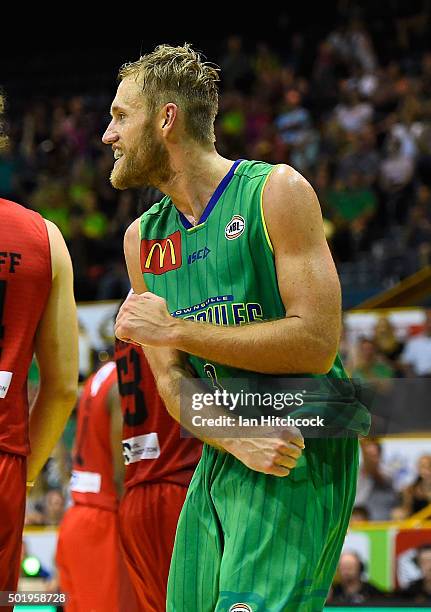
<point x="232" y="268"/>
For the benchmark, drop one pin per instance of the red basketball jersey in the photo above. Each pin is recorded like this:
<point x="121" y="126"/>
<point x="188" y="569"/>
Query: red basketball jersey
<point x="92" y="480"/>
<point x="153" y="449"/>
<point x="25" y="283"/>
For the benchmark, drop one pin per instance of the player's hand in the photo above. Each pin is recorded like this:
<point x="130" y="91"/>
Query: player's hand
<point x="144" y="319"/>
<point x="269" y="455"/>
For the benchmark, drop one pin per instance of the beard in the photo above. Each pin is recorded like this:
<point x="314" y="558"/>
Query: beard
<point x="146" y="164"/>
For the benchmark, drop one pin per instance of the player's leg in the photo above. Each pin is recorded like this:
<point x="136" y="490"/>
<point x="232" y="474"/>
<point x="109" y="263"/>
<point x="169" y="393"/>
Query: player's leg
<point x="127" y="596"/>
<point x="148" y="521"/>
<point x="88" y="559"/>
<point x="65" y="544"/>
<point x="346" y="465"/>
<point x="12" y="510"/>
<point x="283" y="536"/>
<point x="194" y="571"/>
<point x="65" y="580"/>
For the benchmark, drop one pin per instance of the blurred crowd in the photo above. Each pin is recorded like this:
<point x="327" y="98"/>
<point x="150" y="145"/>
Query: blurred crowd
<point x="352" y="587"/>
<point x="354" y="121"/>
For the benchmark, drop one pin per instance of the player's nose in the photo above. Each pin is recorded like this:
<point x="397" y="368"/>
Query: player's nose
<point x="110" y="135"/>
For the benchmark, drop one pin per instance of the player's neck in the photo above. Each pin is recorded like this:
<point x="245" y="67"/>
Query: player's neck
<point x="197" y="173"/>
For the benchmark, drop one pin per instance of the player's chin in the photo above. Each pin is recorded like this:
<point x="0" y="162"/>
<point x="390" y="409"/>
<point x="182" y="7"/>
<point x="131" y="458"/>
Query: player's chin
<point x="119" y="179"/>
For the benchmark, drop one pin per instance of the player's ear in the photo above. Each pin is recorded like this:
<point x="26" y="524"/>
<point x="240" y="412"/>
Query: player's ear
<point x="169" y="115"/>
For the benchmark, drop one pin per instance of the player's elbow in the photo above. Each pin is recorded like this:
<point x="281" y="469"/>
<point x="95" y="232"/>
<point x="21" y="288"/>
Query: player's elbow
<point x="324" y="354"/>
<point x="323" y="366"/>
<point x="69" y="395"/>
<point x="63" y="391"/>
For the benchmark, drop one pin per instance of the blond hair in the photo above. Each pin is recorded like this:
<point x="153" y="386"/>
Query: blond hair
<point x="3" y="137"/>
<point x="178" y="75"/>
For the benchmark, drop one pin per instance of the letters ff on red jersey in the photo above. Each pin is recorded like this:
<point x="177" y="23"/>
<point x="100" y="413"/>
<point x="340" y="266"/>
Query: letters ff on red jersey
<point x="25" y="283"/>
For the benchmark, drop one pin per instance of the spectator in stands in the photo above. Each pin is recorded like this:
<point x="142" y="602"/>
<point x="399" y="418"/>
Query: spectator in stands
<point x="360" y="158"/>
<point x="418" y="237"/>
<point x="352" y="201"/>
<point x="53" y="508"/>
<point x="81" y="248"/>
<point x="420" y="590"/>
<point x="396" y="175"/>
<point x="359" y="515"/>
<point x="50" y="511"/>
<point x="237" y="72"/>
<point x="369" y="365"/>
<point x="352" y="115"/>
<point x="294" y="126"/>
<point x="375" y="491"/>
<point x="352" y="588"/>
<point x="416" y="356"/>
<point x="387" y="343"/>
<point x="362" y="46"/>
<point x="323" y="90"/>
<point x="416" y="496"/>
<point x="351" y="206"/>
<point x="232" y="120"/>
<point x="123" y="216"/>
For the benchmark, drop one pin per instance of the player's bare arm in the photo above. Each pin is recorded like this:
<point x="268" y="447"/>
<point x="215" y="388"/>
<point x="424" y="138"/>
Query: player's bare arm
<point x="305" y="341"/>
<point x="275" y="454"/>
<point x="56" y="347"/>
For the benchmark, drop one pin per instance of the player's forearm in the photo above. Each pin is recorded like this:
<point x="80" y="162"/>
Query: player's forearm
<point x="169" y="385"/>
<point x="285" y="346"/>
<point x="48" y="419"/>
<point x="275" y="455"/>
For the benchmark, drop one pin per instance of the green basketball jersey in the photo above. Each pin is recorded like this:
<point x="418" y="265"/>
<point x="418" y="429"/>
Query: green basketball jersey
<point x="222" y="270"/>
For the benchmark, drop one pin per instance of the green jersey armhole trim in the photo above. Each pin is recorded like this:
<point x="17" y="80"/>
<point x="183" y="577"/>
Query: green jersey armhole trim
<point x="262" y="215"/>
<point x="139" y="228"/>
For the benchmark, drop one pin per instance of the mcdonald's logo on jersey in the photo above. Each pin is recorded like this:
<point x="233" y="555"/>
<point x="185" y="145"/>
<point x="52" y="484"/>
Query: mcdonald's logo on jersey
<point x="161" y="254"/>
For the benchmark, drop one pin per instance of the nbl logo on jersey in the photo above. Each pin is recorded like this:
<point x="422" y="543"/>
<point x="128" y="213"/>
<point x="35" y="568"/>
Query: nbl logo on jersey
<point x="161" y="254"/>
<point x="235" y="227"/>
<point x="240" y="607"/>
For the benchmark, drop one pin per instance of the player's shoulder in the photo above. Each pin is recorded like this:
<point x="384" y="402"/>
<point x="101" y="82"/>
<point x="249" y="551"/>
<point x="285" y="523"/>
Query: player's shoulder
<point x="278" y="174"/>
<point x="250" y="168"/>
<point x="9" y="204"/>
<point x="157" y="210"/>
<point x="133" y="230"/>
<point x="18" y="209"/>
<point x="30" y="223"/>
<point x="285" y="179"/>
<point x="106" y="375"/>
<point x="275" y="179"/>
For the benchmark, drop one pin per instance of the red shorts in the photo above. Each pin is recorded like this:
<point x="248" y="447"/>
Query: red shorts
<point x="90" y="563"/>
<point x="12" y="510"/>
<point x="148" y="522"/>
